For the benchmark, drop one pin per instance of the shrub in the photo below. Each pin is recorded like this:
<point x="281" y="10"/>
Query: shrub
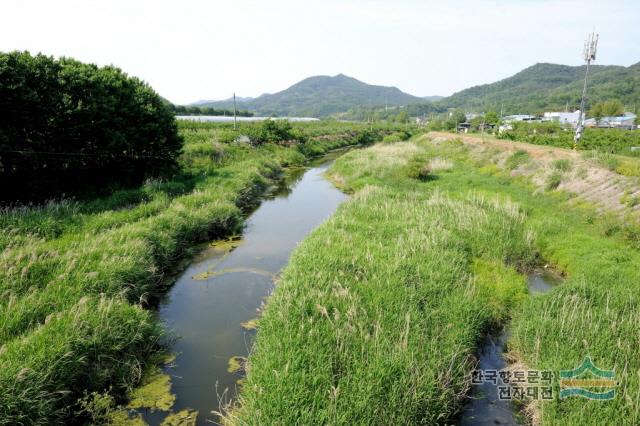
<point x="275" y="131"/>
<point x="65" y="124"/>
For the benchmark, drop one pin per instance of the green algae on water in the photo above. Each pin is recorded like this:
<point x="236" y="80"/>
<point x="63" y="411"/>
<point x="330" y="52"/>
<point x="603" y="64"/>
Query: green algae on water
<point x="252" y="324"/>
<point x="154" y="392"/>
<point x="236" y="364"/>
<point x="203" y="276"/>
<point x="122" y="418"/>
<point x="186" y="417"/>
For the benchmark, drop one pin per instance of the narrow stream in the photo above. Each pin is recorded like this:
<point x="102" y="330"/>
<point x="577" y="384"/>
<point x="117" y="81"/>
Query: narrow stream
<point x="223" y="288"/>
<point x="485" y="407"/>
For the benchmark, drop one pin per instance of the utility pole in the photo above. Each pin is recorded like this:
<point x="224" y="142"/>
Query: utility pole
<point x="234" y="111"/>
<point x="590" y="47"/>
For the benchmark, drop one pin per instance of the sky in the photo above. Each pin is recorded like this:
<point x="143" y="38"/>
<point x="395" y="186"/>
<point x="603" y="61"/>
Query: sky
<point x="189" y="50"/>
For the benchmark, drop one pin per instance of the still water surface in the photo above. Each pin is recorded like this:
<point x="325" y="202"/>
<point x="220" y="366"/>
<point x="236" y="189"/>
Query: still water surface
<point x="218" y="291"/>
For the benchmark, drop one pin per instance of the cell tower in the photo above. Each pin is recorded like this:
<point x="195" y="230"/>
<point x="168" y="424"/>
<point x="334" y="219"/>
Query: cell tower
<point x="590" y="47"/>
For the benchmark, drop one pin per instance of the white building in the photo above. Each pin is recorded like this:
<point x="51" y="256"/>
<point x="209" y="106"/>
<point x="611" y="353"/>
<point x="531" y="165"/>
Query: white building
<point x="519" y="117"/>
<point x="625" y="121"/>
<point x="570" y="118"/>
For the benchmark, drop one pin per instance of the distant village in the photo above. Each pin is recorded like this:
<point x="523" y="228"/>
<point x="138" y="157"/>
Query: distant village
<point x="567" y="119"/>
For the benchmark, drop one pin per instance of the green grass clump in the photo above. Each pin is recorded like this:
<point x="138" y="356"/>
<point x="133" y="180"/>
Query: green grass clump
<point x="562" y="165"/>
<point x="377" y="316"/>
<point x="553" y="180"/>
<point x="517" y="159"/>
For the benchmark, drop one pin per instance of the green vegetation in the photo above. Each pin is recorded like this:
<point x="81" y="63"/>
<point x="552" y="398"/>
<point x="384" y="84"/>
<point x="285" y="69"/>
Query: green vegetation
<point x="377" y="313"/>
<point x="614" y="141"/>
<point x="517" y="159"/>
<point x="562" y="165"/>
<point x="65" y="126"/>
<point x="550" y="87"/>
<point x="198" y="110"/>
<point x="609" y="108"/>
<point x="75" y="277"/>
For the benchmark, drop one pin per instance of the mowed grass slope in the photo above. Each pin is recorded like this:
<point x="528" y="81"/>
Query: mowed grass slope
<point x="74" y="276"/>
<point x="377" y="316"/>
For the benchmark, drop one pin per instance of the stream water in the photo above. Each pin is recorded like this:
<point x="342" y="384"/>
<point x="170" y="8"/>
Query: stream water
<point x="485" y="407"/>
<point x="221" y="289"/>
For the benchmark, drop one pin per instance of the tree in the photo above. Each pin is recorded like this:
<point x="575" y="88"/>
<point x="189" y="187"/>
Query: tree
<point x="65" y="124"/>
<point x="491" y="117"/>
<point x="402" y="117"/>
<point x="611" y="108"/>
<point x="455" y="117"/>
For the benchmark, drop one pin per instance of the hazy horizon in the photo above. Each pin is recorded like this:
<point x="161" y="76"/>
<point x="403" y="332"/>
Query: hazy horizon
<point x="199" y="50"/>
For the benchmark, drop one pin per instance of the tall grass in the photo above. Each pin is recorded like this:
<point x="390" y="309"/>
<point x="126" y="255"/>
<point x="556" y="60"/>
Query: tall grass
<point x="75" y="275"/>
<point x="377" y="316"/>
<point x="596" y="312"/>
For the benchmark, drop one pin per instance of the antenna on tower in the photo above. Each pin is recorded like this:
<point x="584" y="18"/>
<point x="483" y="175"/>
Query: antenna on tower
<point x="589" y="52"/>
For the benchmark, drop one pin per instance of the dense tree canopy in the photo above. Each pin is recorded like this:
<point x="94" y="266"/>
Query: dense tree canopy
<point x="65" y="123"/>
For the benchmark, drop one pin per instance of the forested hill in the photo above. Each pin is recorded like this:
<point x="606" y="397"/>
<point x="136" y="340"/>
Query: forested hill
<point x="550" y="86"/>
<point x="321" y="96"/>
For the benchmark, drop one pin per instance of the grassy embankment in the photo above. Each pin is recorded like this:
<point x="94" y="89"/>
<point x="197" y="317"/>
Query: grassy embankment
<point x="378" y="313"/>
<point x="377" y="316"/>
<point x="74" y="276"/>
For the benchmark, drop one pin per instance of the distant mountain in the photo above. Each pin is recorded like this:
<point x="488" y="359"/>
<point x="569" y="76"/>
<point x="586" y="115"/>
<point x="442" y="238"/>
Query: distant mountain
<point x="432" y="98"/>
<point x="321" y="96"/>
<point x="550" y="86"/>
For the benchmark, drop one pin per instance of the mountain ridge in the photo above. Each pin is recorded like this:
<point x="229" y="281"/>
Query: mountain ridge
<point x="539" y="87"/>
<point x="550" y="86"/>
<point x="321" y="96"/>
